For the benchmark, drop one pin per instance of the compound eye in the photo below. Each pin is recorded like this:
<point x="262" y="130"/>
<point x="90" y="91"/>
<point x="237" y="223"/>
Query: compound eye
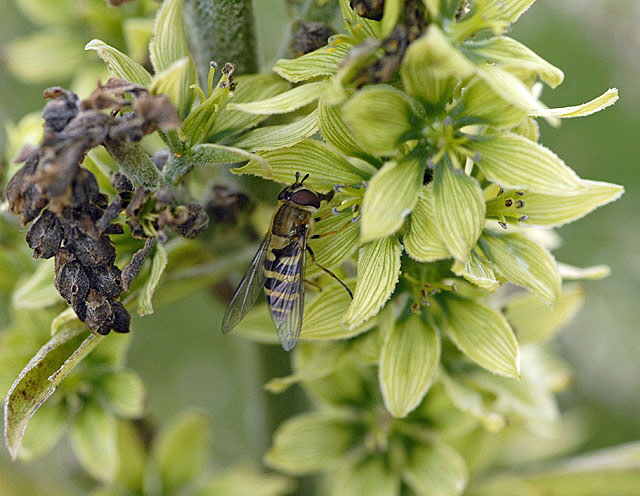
<point x="283" y="194"/>
<point x="306" y="198"/>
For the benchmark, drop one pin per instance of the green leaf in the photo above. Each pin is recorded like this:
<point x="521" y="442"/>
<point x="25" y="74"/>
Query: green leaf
<point x="557" y="210"/>
<point x="515" y="162"/>
<point x="523" y="262"/>
<point x="39" y="379"/>
<point x="380" y="118"/>
<point x="371" y="477"/>
<point x="175" y="82"/>
<point x="168" y="44"/>
<point x="325" y="167"/>
<point x="459" y="209"/>
<point x="249" y="88"/>
<point x="119" y="64"/>
<point x="477" y="270"/>
<point x="536" y="322"/>
<point x="283" y="136"/>
<point x="158" y="264"/>
<point x="45" y="429"/>
<point x="284" y="102"/>
<point x="321" y="62"/>
<point x="93" y="439"/>
<point x="482" y="334"/>
<point x="309" y="443"/>
<point x="335" y="131"/>
<point x="323" y="316"/>
<point x="391" y="195"/>
<point x="479" y="103"/>
<point x="408" y="363"/>
<point x="431" y="66"/>
<point x="436" y="469"/>
<point x="378" y="272"/>
<point x="181" y="450"/>
<point x="605" y="100"/>
<point x="125" y="393"/>
<point x="38" y="290"/>
<point x="508" y="53"/>
<point x="422" y="240"/>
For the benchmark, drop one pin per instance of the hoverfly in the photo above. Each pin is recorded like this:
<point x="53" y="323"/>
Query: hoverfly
<point x="278" y="266"/>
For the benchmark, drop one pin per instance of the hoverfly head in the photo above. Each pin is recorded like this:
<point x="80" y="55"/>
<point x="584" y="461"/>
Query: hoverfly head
<point x="300" y="195"/>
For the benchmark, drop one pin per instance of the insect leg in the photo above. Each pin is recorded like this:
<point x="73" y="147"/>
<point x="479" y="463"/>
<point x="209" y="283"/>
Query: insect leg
<point x="313" y="259"/>
<point x="335" y="231"/>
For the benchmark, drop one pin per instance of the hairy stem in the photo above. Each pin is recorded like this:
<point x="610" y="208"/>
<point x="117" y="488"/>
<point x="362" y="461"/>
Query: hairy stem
<point x="224" y="31"/>
<point x="135" y="163"/>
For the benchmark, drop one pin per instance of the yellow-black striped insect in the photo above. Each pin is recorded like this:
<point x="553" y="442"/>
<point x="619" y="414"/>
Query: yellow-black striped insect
<point x="278" y="266"/>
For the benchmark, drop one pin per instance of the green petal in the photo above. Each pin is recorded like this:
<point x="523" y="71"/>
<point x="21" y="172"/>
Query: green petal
<point x="432" y="65"/>
<point x="568" y="272"/>
<point x="158" y="264"/>
<point x="390" y="16"/>
<point x="44" y="431"/>
<point x="243" y="480"/>
<point x="133" y="457"/>
<point x="119" y="64"/>
<point x="325" y="167"/>
<point x="380" y="118"/>
<point x="125" y="393"/>
<point x="332" y="250"/>
<point x="175" y="82"/>
<point x="284" y="102"/>
<point x="250" y="88"/>
<point x="93" y="439"/>
<point x="390" y="197"/>
<point x="605" y="100"/>
<point x="509" y="88"/>
<point x="515" y="162"/>
<point x="479" y="103"/>
<point x="505" y="10"/>
<point x="378" y="272"/>
<point x="523" y="262"/>
<point x="323" y="316"/>
<point x="321" y="62"/>
<point x="484" y="335"/>
<point x="436" y="469"/>
<point x="371" y="477"/>
<point x="335" y="131"/>
<point x="408" y="363"/>
<point x="509" y="53"/>
<point x="470" y="400"/>
<point x="477" y="270"/>
<point x="309" y="443"/>
<point x="39" y="379"/>
<point x="181" y="450"/>
<point x="422" y="240"/>
<point x="536" y="322"/>
<point x="168" y="44"/>
<point x="283" y="136"/>
<point x="459" y="210"/>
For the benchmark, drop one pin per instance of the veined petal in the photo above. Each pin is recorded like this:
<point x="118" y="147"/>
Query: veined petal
<point x="459" y="210"/>
<point x="119" y="64"/>
<point x="168" y="44"/>
<point x="390" y="197"/>
<point x="479" y="102"/>
<point x="325" y="167"/>
<point x="569" y="272"/>
<point x="380" y="118"/>
<point x="515" y="162"/>
<point x="422" y="240"/>
<point x="508" y="87"/>
<point x="335" y="130"/>
<point x="283" y="136"/>
<point x="332" y="250"/>
<point x="372" y="477"/>
<point x="536" y="322"/>
<point x="321" y="62"/>
<point x="506" y="10"/>
<point x="478" y="271"/>
<point x="509" y="53"/>
<point x="175" y="81"/>
<point x="605" y="100"/>
<point x="378" y="272"/>
<point x="484" y="335"/>
<point x="436" y="469"/>
<point x="408" y="363"/>
<point x="523" y="262"/>
<point x="284" y="102"/>
<point x="309" y="443"/>
<point x="431" y="65"/>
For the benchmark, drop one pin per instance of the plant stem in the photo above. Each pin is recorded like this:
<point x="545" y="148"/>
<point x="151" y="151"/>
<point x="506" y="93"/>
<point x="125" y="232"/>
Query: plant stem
<point x="224" y="31"/>
<point x="135" y="163"/>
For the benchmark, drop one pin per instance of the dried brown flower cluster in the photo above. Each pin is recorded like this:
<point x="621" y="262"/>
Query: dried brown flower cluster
<point x="74" y="219"/>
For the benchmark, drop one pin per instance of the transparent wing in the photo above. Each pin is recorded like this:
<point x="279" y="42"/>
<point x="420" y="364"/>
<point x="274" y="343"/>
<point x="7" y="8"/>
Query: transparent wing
<point x="286" y="293"/>
<point x="248" y="290"/>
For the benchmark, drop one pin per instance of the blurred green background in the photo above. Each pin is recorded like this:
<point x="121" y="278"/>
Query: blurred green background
<point x="595" y="42"/>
